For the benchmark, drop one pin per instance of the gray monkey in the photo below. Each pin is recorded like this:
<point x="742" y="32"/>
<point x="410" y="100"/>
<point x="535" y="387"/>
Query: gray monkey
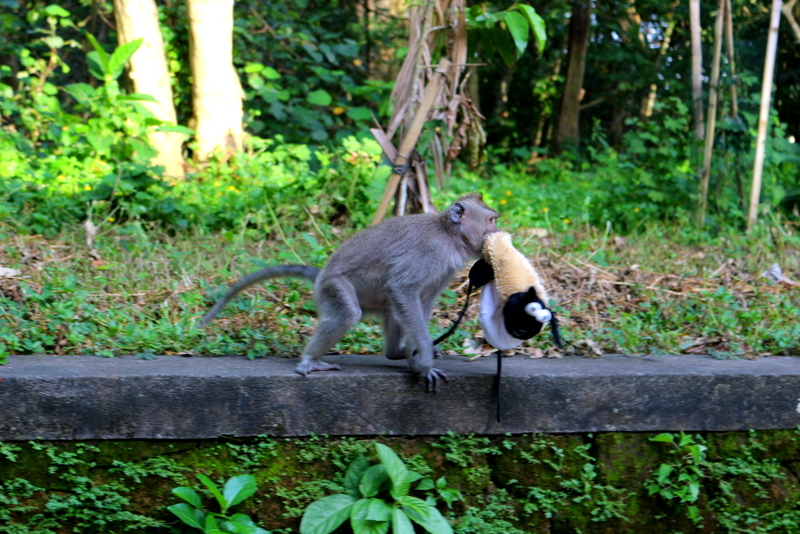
<point x="394" y="270"/>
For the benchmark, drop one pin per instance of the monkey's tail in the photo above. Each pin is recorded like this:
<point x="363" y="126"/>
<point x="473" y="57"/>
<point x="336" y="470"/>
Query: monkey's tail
<point x="280" y="271"/>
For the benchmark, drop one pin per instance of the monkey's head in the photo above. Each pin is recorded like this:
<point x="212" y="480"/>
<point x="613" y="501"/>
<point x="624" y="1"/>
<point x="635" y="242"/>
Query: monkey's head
<point x="472" y="220"/>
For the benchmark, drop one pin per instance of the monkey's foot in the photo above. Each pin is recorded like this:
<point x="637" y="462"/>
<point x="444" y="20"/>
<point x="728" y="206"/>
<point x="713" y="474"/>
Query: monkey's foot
<point x="433" y="379"/>
<point x="303" y="368"/>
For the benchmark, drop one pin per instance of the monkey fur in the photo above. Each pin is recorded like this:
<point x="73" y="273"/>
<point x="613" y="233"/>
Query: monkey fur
<point x="394" y="270"/>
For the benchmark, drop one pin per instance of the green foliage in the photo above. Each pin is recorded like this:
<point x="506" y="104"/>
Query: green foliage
<point x="305" y="70"/>
<point x="505" y="32"/>
<point x="681" y="481"/>
<point x="236" y="490"/>
<point x="377" y="497"/>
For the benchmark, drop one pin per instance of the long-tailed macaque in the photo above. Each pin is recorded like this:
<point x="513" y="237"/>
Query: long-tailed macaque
<point x="395" y="270"/>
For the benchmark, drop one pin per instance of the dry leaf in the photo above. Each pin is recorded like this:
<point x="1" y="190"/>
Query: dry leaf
<point x="5" y="272"/>
<point x="553" y="352"/>
<point x="775" y="273"/>
<point x="585" y="348"/>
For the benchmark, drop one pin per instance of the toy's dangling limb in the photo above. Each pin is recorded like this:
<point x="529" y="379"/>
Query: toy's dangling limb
<point x="556" y="333"/>
<point x="479" y="275"/>
<point x="497" y="382"/>
<point x="458" y="320"/>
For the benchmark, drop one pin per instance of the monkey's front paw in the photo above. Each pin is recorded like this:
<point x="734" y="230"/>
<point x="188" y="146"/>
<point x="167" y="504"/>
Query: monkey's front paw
<point x="433" y="378"/>
<point x="303" y="368"/>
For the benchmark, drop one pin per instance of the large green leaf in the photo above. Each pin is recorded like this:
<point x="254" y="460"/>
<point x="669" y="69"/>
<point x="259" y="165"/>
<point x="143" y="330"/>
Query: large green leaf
<point x="353" y="476"/>
<point x="432" y="522"/>
<point x="100" y="54"/>
<point x="320" y="97"/>
<point x="518" y="27"/>
<point x="189" y="495"/>
<point x="401" y="524"/>
<point x="82" y="92"/>
<point x="138" y="97"/>
<point x="373" y="479"/>
<point x="120" y="57"/>
<point x="207" y="482"/>
<point x="360" y="516"/>
<point x="188" y="514"/>
<point x="325" y="515"/>
<point x="502" y="42"/>
<point x="239" y="488"/>
<point x="396" y="470"/>
<point x="537" y="25"/>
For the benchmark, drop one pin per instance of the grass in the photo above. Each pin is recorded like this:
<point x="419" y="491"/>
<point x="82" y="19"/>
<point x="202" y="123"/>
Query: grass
<point x="134" y="290"/>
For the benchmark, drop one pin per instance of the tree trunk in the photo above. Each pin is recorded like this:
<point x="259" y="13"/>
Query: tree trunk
<point x="149" y="73"/>
<point x="567" y="129"/>
<point x="697" y="69"/>
<point x="763" y="114"/>
<point x="712" y="114"/>
<point x="216" y="92"/>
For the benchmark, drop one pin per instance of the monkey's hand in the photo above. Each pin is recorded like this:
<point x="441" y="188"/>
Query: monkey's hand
<point x="433" y="378"/>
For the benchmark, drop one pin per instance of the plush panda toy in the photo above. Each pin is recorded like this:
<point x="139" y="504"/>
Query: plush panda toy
<point x="513" y="300"/>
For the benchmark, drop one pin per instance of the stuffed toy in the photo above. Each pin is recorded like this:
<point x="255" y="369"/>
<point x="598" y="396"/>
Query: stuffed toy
<point x="513" y="300"/>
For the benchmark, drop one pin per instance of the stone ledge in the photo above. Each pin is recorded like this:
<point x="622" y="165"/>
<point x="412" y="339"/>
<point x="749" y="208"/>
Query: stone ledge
<point x="173" y="397"/>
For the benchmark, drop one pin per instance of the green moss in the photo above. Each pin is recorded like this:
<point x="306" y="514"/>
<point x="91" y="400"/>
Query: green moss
<point x="531" y="483"/>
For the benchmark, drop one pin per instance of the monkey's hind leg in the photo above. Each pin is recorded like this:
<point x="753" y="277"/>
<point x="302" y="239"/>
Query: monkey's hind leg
<point x="394" y="346"/>
<point x="338" y="311"/>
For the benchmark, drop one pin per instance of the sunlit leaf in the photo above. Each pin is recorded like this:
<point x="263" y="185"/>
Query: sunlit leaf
<point x="326" y="515"/>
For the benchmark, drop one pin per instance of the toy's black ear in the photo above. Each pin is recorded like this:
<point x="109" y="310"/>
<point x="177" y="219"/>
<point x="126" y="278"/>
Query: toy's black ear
<point x="481" y="273"/>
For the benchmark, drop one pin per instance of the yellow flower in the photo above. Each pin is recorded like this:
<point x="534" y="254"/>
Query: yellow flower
<point x="338" y="110"/>
<point x="545" y="210"/>
<point x="636" y="210"/>
<point x="508" y="193"/>
<point x="566" y="221"/>
<point x="217" y="184"/>
<point x="357" y="62"/>
<point x="502" y="201"/>
<point x="87" y="187"/>
<point x="111" y="219"/>
<point x="231" y="188"/>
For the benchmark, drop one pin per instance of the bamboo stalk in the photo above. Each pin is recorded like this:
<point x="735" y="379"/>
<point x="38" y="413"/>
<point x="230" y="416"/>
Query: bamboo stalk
<point x="729" y="41"/>
<point x="697" y="69"/>
<point x="712" y="114"/>
<point x="763" y="114"/>
<point x="410" y="141"/>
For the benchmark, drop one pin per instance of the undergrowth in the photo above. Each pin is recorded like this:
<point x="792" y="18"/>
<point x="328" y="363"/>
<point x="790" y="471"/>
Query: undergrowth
<point x="722" y="482"/>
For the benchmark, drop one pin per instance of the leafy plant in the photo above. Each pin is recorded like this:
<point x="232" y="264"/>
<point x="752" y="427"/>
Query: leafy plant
<point x="236" y="490"/>
<point x="377" y="497"/>
<point x="680" y="481"/>
<point x="506" y="32"/>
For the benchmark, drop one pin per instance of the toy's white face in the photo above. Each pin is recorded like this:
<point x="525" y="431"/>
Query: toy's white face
<point x="535" y="310"/>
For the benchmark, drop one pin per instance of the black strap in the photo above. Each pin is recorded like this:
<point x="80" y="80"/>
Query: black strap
<point x="497" y="382"/>
<point x="457" y="321"/>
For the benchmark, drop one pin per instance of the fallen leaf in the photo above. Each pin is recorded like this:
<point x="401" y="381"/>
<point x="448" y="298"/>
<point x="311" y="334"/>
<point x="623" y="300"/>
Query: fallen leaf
<point x="5" y="272"/>
<point x="585" y="348"/>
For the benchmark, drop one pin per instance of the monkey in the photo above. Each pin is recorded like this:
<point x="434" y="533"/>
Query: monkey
<point x="394" y="270"/>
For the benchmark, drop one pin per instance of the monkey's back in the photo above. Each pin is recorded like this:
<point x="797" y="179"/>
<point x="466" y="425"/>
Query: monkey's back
<point x="410" y="253"/>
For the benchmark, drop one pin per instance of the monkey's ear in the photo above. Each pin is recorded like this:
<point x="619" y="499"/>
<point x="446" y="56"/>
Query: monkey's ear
<point x="481" y="273"/>
<point x="457" y="213"/>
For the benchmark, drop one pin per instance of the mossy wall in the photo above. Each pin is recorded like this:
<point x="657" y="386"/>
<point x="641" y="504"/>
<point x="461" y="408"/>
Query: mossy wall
<point x="601" y="483"/>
